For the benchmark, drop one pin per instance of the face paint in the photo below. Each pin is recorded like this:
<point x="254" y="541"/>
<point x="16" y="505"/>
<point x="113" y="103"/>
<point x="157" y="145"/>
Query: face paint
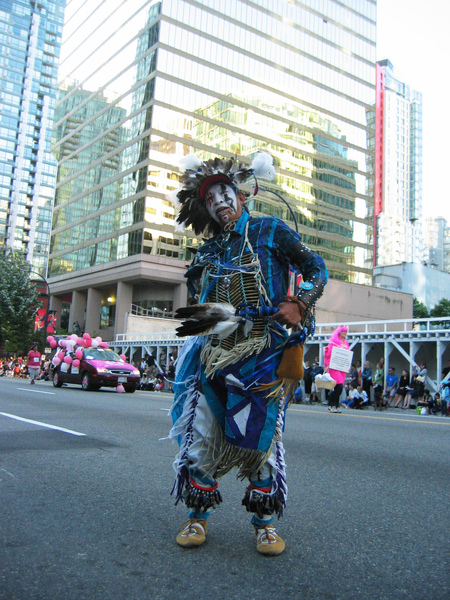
<point x="222" y="203"/>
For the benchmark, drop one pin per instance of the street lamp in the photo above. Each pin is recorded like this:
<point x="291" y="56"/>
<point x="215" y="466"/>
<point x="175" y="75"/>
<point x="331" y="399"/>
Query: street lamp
<point x="47" y="309"/>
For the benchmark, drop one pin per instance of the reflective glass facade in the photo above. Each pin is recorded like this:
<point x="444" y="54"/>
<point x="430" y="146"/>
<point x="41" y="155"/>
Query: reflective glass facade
<point x="30" y="40"/>
<point x="144" y="83"/>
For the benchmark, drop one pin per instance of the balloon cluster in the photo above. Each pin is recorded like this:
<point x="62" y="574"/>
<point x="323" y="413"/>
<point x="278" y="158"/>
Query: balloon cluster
<point x="68" y="344"/>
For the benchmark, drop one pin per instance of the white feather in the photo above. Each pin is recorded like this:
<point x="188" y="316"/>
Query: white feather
<point x="225" y="328"/>
<point x="190" y="161"/>
<point x="262" y="165"/>
<point x="173" y="198"/>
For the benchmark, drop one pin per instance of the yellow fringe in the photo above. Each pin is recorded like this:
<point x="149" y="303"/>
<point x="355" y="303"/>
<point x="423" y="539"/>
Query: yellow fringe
<point x="280" y="387"/>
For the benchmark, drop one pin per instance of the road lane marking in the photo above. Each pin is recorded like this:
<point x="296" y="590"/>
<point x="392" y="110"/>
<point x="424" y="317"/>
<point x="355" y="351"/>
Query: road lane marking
<point x="438" y="420"/>
<point x="36" y="391"/>
<point x="42" y="424"/>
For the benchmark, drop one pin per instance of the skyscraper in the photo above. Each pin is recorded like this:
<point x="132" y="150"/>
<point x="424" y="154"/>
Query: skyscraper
<point x="435" y="236"/>
<point x="398" y="170"/>
<point x="141" y="84"/>
<point x="30" y="40"/>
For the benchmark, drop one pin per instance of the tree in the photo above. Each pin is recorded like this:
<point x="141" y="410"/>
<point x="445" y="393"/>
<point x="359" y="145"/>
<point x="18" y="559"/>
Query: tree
<point x="18" y="301"/>
<point x="420" y="311"/>
<point x="441" y="310"/>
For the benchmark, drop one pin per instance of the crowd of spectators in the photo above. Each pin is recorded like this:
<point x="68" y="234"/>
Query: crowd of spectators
<point x="17" y="367"/>
<point x="157" y="375"/>
<point x="366" y="387"/>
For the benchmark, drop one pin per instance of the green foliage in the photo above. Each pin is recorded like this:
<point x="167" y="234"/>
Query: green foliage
<point x="18" y="301"/>
<point x="420" y="311"/>
<point x="442" y="309"/>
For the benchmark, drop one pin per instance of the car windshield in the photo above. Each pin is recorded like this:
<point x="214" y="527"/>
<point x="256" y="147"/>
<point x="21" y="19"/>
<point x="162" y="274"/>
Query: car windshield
<point x="101" y="354"/>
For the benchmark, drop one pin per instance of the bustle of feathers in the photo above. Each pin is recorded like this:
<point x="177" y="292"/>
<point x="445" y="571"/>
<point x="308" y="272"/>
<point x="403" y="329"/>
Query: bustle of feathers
<point x="192" y="208"/>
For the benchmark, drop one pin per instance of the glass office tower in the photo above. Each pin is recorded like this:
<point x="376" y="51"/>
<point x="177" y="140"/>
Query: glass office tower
<point x="30" y="40"/>
<point x="141" y="84"/>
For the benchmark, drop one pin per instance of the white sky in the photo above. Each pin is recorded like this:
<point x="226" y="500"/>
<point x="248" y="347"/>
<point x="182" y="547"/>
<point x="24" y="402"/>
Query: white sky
<point x="415" y="36"/>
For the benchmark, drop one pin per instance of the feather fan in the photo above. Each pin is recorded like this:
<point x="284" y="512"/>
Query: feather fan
<point x="204" y="319"/>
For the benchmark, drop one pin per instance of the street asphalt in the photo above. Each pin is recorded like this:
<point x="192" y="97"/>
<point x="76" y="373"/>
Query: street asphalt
<point x="86" y="511"/>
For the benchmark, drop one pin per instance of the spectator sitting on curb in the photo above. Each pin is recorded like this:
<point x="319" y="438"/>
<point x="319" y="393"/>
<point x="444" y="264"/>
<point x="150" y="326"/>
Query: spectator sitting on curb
<point x="353" y="399"/>
<point x="363" y="396"/>
<point x="298" y="396"/>
<point x="391" y="386"/>
<point x="426" y="402"/>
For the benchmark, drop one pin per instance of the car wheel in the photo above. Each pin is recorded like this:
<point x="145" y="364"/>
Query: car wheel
<point x="86" y="382"/>
<point x="130" y="389"/>
<point x="56" y="380"/>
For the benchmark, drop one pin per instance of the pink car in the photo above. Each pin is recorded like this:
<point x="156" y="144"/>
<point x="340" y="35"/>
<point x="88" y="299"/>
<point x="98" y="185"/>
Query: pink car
<point x="99" y="367"/>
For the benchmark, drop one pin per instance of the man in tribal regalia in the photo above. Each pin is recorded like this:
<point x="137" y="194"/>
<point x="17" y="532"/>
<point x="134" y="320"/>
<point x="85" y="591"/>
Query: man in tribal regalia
<point x="231" y="393"/>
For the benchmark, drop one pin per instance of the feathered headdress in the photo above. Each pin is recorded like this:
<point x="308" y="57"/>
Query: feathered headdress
<point x="198" y="176"/>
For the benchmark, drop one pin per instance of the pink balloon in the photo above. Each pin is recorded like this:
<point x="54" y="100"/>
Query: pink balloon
<point x="76" y="363"/>
<point x="79" y="353"/>
<point x="50" y="339"/>
<point x="103" y="344"/>
<point x="123" y="357"/>
<point x="53" y="343"/>
<point x="98" y="339"/>
<point x="87" y="343"/>
<point x="80" y="341"/>
<point x="86" y="336"/>
<point x="63" y="343"/>
<point x="68" y="360"/>
<point x="61" y="355"/>
<point x="56" y="361"/>
<point x="120" y="389"/>
<point x="73" y="337"/>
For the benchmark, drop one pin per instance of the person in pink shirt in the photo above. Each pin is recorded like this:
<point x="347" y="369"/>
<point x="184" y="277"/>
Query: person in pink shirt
<point x="34" y="363"/>
<point x="338" y="340"/>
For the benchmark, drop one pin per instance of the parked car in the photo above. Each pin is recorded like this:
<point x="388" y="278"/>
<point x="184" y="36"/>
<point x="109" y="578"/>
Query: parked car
<point x="99" y="367"/>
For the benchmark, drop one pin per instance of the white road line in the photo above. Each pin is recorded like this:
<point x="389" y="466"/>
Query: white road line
<point x="36" y="391"/>
<point x="42" y="424"/>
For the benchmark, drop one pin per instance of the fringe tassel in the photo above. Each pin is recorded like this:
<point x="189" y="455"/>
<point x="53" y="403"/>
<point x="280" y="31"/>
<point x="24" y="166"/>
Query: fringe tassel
<point x="215" y="357"/>
<point x="281" y="485"/>
<point x="183" y="430"/>
<point x="281" y="387"/>
<point x="247" y="461"/>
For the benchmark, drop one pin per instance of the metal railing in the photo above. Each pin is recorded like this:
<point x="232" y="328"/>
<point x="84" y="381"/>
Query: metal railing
<point x="153" y="312"/>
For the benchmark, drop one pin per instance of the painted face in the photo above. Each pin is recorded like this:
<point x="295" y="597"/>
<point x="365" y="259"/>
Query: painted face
<point x="343" y="334"/>
<point x="222" y="203"/>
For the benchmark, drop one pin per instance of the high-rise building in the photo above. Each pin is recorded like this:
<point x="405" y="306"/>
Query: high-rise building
<point x="435" y="240"/>
<point x="30" y="40"/>
<point x="141" y="84"/>
<point x="397" y="141"/>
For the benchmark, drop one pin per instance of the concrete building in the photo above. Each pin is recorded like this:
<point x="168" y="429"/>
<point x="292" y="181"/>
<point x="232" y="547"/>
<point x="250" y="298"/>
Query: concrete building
<point x="30" y="40"/>
<point x="178" y="77"/>
<point x="425" y="283"/>
<point x="397" y="140"/>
